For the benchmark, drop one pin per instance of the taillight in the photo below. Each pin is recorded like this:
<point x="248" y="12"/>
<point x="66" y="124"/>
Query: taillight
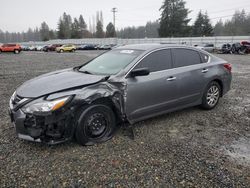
<point x="228" y="66"/>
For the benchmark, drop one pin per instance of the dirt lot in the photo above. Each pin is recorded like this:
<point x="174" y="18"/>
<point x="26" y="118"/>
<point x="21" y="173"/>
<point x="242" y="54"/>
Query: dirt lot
<point x="188" y="148"/>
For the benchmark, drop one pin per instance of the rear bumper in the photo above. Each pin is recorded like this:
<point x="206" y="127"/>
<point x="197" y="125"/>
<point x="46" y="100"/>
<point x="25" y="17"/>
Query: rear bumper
<point x="227" y="83"/>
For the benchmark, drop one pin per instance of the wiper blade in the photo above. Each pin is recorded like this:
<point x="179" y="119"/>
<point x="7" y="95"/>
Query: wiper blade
<point x="84" y="71"/>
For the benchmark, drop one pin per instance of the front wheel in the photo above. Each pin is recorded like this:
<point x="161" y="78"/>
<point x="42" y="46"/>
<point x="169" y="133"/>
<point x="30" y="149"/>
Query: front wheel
<point x="211" y="96"/>
<point x="95" y="124"/>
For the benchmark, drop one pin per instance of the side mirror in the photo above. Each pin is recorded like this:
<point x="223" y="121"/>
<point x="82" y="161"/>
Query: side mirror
<point x="139" y="72"/>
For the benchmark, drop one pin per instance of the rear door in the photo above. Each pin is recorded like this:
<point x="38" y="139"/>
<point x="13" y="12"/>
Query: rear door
<point x="150" y="95"/>
<point x="190" y="72"/>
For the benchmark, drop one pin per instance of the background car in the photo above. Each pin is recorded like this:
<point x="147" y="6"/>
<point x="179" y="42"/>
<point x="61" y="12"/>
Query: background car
<point x="51" y="48"/>
<point x="225" y="49"/>
<point x="15" y="48"/>
<point x="105" y="47"/>
<point x="66" y="48"/>
<point x="39" y="48"/>
<point x="24" y="48"/>
<point x="242" y="47"/>
<point x="86" y="47"/>
<point x="207" y="47"/>
<point x="32" y="48"/>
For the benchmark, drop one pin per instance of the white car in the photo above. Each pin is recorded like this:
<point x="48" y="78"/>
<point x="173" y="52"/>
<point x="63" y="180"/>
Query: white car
<point x="207" y="47"/>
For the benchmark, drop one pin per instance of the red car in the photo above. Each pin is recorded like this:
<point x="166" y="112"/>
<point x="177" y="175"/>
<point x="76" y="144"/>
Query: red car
<point x="16" y="48"/>
<point x="51" y="48"/>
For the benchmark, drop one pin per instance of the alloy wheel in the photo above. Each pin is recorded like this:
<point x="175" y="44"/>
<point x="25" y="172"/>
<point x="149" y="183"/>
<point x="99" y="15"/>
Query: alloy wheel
<point x="213" y="95"/>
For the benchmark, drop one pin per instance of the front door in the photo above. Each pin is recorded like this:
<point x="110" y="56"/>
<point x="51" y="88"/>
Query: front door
<point x="147" y="96"/>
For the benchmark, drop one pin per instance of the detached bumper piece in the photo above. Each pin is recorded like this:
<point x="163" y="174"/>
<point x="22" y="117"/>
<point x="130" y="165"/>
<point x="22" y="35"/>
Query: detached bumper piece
<point x="50" y="129"/>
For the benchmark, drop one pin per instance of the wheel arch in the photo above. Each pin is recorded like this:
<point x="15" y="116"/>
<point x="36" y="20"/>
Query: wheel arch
<point x="221" y="85"/>
<point x="108" y="102"/>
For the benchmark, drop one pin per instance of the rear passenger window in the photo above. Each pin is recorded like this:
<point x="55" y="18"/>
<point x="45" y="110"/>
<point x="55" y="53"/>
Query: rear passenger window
<point x="185" y="57"/>
<point x="204" y="58"/>
<point x="157" y="61"/>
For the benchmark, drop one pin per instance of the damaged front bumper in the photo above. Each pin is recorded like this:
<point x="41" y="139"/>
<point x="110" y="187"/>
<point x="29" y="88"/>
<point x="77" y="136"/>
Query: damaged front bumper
<point x="51" y="129"/>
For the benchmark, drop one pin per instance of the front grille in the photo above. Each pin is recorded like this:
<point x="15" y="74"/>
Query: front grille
<point x="34" y="122"/>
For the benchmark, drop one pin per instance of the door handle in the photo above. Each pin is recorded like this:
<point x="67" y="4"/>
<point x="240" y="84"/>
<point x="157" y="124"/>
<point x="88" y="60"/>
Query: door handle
<point x="204" y="70"/>
<point x="171" y="78"/>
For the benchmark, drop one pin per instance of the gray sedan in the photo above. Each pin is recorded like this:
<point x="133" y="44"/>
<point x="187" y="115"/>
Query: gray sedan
<point x="128" y="84"/>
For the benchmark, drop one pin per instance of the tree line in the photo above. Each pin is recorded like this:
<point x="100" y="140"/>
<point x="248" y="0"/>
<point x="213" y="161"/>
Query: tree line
<point x="68" y="28"/>
<point x="174" y="22"/>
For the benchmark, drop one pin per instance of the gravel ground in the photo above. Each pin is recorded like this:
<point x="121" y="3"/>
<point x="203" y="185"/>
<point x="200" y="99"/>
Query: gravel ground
<point x="188" y="148"/>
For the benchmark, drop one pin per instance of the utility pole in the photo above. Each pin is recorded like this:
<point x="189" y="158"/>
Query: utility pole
<point x="114" y="10"/>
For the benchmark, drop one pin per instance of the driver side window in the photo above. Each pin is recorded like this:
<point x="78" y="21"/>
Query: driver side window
<point x="157" y="61"/>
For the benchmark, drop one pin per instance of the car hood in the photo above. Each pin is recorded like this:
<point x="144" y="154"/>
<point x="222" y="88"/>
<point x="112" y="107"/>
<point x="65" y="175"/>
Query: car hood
<point x="55" y="82"/>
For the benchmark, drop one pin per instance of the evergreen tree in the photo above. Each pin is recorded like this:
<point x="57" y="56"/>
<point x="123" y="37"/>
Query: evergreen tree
<point x="110" y="30"/>
<point x="174" y="21"/>
<point x="82" y="27"/>
<point x="44" y="32"/>
<point x="64" y="26"/>
<point x="99" y="30"/>
<point x="75" y="29"/>
<point x="202" y="26"/>
<point x="219" y="28"/>
<point x="152" y="29"/>
<point x="52" y="34"/>
<point x="61" y="32"/>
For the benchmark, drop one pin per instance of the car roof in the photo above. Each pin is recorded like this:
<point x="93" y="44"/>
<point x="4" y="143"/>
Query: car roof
<point x="148" y="47"/>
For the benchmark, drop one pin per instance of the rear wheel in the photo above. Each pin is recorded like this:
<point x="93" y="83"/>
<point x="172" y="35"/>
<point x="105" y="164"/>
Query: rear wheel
<point x="95" y="124"/>
<point x="16" y="51"/>
<point x="61" y="51"/>
<point x="0" y="51"/>
<point x="211" y="96"/>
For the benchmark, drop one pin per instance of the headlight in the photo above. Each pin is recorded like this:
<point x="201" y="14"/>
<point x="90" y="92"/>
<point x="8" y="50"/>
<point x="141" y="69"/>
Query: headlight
<point x="45" y="106"/>
<point x="13" y="96"/>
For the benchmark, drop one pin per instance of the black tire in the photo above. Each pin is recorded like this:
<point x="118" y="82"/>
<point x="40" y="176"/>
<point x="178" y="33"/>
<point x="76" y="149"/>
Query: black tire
<point x="95" y="124"/>
<point x="0" y="51"/>
<point x="234" y="50"/>
<point x="73" y="50"/>
<point x="61" y="51"/>
<point x="242" y="51"/>
<point x="211" y="96"/>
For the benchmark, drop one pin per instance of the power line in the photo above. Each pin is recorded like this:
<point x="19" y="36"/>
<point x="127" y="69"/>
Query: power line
<point x="225" y="16"/>
<point x="225" y="10"/>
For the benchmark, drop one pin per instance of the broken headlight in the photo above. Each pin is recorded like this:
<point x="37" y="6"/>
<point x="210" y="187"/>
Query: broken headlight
<point x="45" y="105"/>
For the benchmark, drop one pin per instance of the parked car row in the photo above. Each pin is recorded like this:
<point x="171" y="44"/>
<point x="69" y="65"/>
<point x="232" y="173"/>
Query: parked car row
<point x="242" y="47"/>
<point x="68" y="47"/>
<point x="16" y="48"/>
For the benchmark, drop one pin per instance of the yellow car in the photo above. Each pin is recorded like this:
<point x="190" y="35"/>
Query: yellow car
<point x="66" y="48"/>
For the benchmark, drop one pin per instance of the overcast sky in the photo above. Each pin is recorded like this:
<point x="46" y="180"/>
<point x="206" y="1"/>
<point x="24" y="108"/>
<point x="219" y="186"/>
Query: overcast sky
<point x="19" y="15"/>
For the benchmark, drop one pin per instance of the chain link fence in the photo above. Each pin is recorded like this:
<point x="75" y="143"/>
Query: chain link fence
<point x="217" y="41"/>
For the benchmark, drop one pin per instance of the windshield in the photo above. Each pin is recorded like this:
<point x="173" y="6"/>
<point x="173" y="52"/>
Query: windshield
<point x="111" y="62"/>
